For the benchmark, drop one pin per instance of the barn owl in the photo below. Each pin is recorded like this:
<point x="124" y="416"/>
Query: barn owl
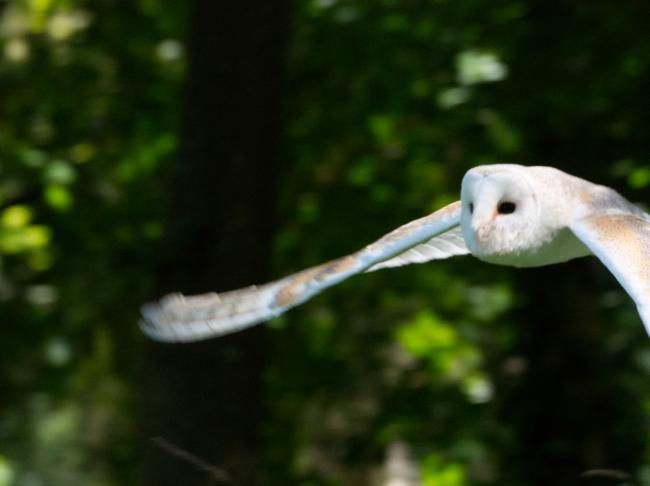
<point x="507" y="215"/>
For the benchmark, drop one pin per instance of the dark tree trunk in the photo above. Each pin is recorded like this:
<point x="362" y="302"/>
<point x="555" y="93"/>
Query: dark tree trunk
<point x="206" y="398"/>
<point x="575" y="410"/>
<point x="577" y="423"/>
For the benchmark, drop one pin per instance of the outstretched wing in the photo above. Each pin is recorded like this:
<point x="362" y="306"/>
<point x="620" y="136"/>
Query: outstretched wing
<point x="622" y="243"/>
<point x="177" y="318"/>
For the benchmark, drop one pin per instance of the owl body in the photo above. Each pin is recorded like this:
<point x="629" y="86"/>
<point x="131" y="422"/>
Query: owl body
<point x="507" y="215"/>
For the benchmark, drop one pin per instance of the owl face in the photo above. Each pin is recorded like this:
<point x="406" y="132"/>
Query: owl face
<point x="499" y="209"/>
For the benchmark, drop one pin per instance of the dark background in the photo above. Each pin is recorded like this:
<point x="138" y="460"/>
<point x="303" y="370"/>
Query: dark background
<point x="152" y="146"/>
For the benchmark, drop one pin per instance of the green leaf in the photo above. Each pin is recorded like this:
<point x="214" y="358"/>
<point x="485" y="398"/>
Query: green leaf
<point x="59" y="172"/>
<point x="16" y="216"/>
<point x="58" y="197"/>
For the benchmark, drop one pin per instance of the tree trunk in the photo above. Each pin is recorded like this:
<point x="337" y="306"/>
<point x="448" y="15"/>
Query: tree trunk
<point x="206" y="398"/>
<point x="577" y="421"/>
<point x="579" y="418"/>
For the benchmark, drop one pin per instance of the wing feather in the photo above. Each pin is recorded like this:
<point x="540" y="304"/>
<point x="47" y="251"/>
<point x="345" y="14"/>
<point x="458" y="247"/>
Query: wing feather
<point x="439" y="247"/>
<point x="622" y="243"/>
<point x="177" y="318"/>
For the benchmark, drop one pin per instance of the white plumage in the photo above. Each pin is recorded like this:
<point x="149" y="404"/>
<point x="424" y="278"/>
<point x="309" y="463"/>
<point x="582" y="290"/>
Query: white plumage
<point x="508" y="215"/>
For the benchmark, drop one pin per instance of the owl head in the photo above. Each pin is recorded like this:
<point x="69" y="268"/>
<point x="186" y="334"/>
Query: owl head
<point x="501" y="211"/>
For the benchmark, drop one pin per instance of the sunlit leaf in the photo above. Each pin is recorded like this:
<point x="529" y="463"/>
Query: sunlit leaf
<point x="474" y="67"/>
<point x="170" y="50"/>
<point x="639" y="178"/>
<point x="18" y="240"/>
<point x="437" y="472"/>
<point x="426" y="334"/>
<point x="57" y="351"/>
<point x="65" y="23"/>
<point x="16" y="216"/>
<point x="59" y="172"/>
<point x="17" y="50"/>
<point x="58" y="197"/>
<point x="36" y="236"/>
<point x="478" y="388"/>
<point x="452" y="97"/>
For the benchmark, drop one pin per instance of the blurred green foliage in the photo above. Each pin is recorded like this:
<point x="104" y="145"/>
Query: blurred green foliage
<point x="87" y="121"/>
<point x="389" y="101"/>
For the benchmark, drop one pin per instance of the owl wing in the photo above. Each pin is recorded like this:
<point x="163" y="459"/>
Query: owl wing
<point x="177" y="318"/>
<point x="622" y="243"/>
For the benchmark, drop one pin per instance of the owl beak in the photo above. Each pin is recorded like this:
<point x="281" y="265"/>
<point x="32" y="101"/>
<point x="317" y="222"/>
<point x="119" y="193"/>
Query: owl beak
<point x="483" y="232"/>
<point x="483" y="227"/>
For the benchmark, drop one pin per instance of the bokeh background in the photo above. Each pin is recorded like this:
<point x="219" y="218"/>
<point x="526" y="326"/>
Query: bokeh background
<point x="157" y="145"/>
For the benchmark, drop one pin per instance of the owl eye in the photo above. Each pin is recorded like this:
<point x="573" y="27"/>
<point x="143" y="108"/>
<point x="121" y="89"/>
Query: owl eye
<point x="471" y="208"/>
<point x="506" y="207"/>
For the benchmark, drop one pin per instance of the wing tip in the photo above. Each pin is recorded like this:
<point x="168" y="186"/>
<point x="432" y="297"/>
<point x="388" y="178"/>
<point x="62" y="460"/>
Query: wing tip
<point x="157" y="324"/>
